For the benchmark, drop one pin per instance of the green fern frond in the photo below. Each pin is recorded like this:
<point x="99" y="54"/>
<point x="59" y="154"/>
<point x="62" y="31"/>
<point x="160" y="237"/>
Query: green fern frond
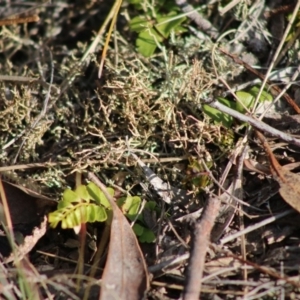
<point x="76" y="207"/>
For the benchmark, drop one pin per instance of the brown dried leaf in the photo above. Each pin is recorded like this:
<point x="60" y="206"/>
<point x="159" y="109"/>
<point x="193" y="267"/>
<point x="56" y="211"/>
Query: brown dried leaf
<point x="289" y="182"/>
<point x="253" y="166"/>
<point x="29" y="242"/>
<point x="25" y="206"/>
<point x="125" y="275"/>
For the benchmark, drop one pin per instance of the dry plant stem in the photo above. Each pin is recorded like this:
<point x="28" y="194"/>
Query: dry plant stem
<point x="24" y="79"/>
<point x="272" y="64"/>
<point x="80" y="264"/>
<point x="275" y="166"/>
<point x="168" y="263"/>
<point x="52" y="164"/>
<point x="20" y="251"/>
<point x="253" y="122"/>
<point x="3" y="202"/>
<point x="183" y="243"/>
<point x="256" y="226"/>
<point x="266" y="270"/>
<point x="228" y="7"/>
<point x="19" y="20"/>
<point x="165" y="191"/>
<point x="230" y="293"/>
<point x="240" y="148"/>
<point x="273" y="87"/>
<point x="276" y="57"/>
<point x="239" y="190"/>
<point x="288" y="46"/>
<point x="279" y="10"/>
<point x="43" y="111"/>
<point x="224" y="190"/>
<point x="91" y="49"/>
<point x="201" y="239"/>
<point x="195" y="16"/>
<point x="284" y="90"/>
<point x="64" y="259"/>
<point x="116" y="9"/>
<point x="29" y="166"/>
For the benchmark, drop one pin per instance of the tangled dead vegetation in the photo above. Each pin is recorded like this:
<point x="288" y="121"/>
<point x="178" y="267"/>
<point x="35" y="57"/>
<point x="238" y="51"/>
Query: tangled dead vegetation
<point x="145" y="117"/>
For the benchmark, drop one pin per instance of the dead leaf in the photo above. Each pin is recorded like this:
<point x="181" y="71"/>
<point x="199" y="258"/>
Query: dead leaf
<point x="26" y="210"/>
<point x="29" y="242"/>
<point x="125" y="275"/>
<point x="25" y="206"/>
<point x="253" y="166"/>
<point x="289" y="182"/>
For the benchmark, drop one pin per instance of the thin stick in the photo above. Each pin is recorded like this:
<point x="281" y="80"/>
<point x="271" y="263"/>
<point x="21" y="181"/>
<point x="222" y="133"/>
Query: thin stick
<point x="272" y="64"/>
<point x="253" y="122"/>
<point x="195" y="16"/>
<point x="115" y="9"/>
<point x="5" y="207"/>
<point x="272" y="87"/>
<point x="200" y="245"/>
<point x="14" y="21"/>
<point x="256" y="226"/>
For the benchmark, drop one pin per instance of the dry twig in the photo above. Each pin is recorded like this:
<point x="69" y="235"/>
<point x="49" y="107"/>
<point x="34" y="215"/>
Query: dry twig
<point x="199" y="247"/>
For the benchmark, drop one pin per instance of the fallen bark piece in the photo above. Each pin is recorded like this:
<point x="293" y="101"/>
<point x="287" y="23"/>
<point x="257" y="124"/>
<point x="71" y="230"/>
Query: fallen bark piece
<point x="289" y="182"/>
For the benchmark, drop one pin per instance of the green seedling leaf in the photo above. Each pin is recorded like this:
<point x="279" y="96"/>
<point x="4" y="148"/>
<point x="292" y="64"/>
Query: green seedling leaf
<point x="218" y="116"/>
<point x="82" y="192"/>
<point x="100" y="214"/>
<point x="98" y="196"/>
<point x="70" y="196"/>
<point x="147" y="42"/>
<point x="74" y="215"/>
<point x="151" y="205"/>
<point x="265" y="96"/>
<point x="149" y="37"/>
<point x="147" y="236"/>
<point x="248" y="98"/>
<point x="169" y="23"/>
<point x="245" y="100"/>
<point x="96" y="213"/>
<point x="138" y="229"/>
<point x="55" y="217"/>
<point x="144" y="234"/>
<point x="77" y="216"/>
<point x="134" y="1"/>
<point x="130" y="206"/>
<point x="139" y="24"/>
<point x="92" y="213"/>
